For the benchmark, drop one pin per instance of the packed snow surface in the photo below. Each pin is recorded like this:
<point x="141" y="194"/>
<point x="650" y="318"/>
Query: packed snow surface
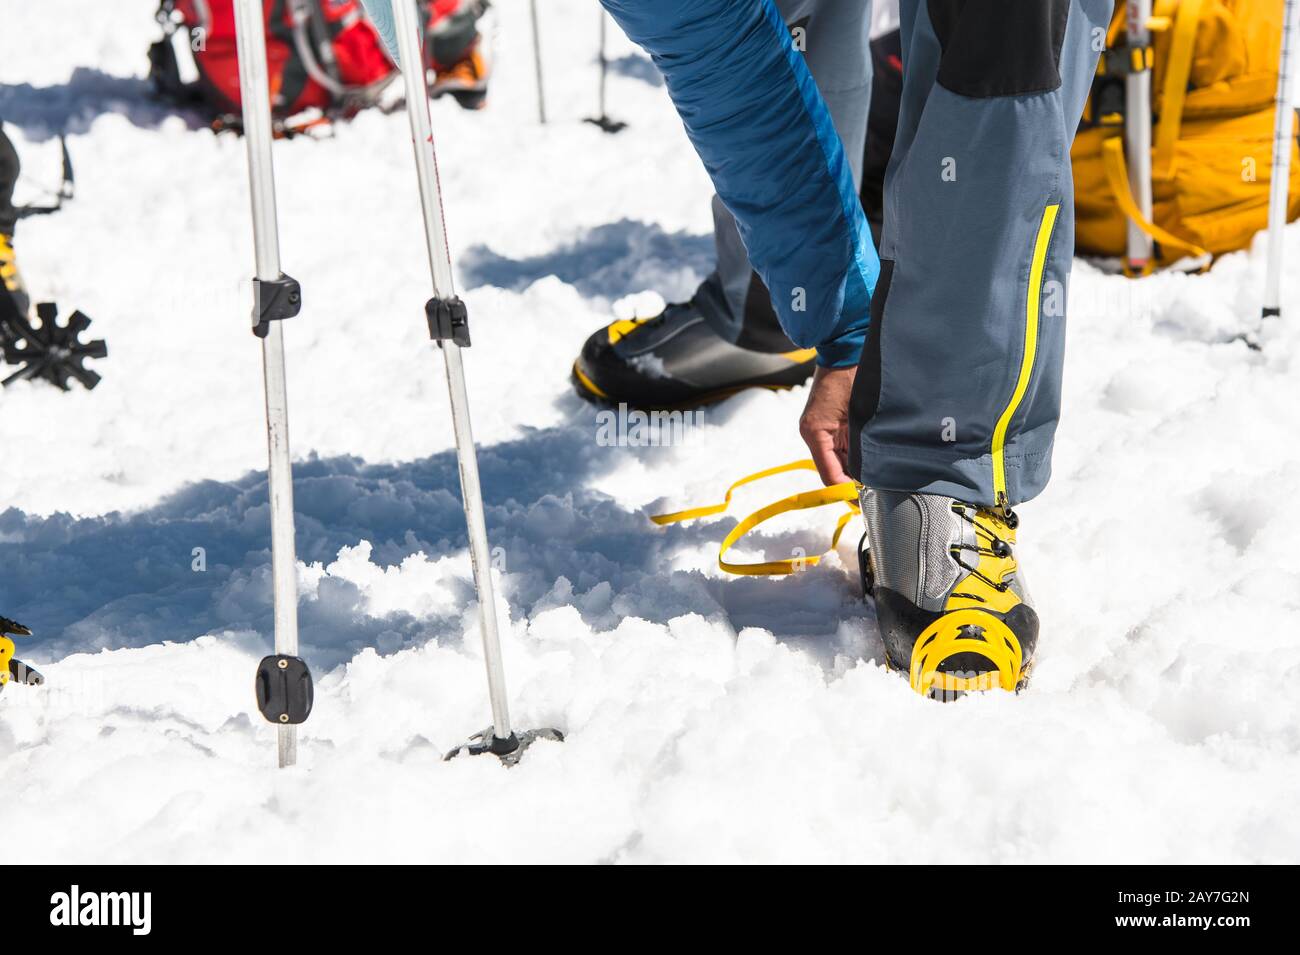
<point x="709" y="718"/>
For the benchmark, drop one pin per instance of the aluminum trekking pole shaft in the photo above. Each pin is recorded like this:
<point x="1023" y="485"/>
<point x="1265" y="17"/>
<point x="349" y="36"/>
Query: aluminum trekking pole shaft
<point x="1137" y="134"/>
<point x="537" y="62"/>
<point x="407" y="22"/>
<point x="255" y="93"/>
<point x="1281" y="174"/>
<point x="604" y="62"/>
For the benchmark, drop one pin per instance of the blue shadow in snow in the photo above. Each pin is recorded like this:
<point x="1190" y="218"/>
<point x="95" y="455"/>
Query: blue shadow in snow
<point x="127" y="580"/>
<point x="637" y="67"/>
<point x="609" y="260"/>
<point x="43" y="112"/>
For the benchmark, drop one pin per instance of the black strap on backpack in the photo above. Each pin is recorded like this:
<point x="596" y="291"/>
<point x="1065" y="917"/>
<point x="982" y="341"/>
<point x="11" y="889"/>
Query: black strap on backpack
<point x="164" y="68"/>
<point x="293" y="79"/>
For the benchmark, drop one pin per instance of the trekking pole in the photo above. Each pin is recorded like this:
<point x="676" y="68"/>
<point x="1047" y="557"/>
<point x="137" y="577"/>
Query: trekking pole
<point x="449" y="327"/>
<point x="603" y="121"/>
<point x="284" y="691"/>
<point x="1283" y="125"/>
<point x="537" y="61"/>
<point x="1137" y="134"/>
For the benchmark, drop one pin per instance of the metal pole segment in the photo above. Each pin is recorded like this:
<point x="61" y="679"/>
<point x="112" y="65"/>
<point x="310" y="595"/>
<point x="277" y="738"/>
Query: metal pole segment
<point x="606" y="124"/>
<point x="537" y="61"/>
<point x="407" y="21"/>
<point x="604" y="62"/>
<point x="1137" y="135"/>
<point x="1281" y="174"/>
<point x="255" y="93"/>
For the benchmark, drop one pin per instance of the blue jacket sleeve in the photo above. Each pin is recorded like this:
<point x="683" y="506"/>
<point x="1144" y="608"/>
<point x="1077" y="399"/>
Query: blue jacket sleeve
<point x="759" y="124"/>
<point x="381" y="17"/>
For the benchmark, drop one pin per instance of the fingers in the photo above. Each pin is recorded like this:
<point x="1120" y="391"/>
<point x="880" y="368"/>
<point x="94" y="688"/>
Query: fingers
<point x="828" y="458"/>
<point x="824" y="425"/>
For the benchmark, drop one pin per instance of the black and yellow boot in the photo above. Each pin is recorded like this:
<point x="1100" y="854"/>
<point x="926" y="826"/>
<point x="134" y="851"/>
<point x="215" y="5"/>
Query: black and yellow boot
<point x="675" y="360"/>
<point x="10" y="668"/>
<point x="950" y="599"/>
<point x="10" y="277"/>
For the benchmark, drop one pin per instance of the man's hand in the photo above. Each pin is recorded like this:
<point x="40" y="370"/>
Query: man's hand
<point x="824" y="425"/>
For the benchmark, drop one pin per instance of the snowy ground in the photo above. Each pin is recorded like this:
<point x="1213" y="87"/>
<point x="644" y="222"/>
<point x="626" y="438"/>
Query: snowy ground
<point x="709" y="718"/>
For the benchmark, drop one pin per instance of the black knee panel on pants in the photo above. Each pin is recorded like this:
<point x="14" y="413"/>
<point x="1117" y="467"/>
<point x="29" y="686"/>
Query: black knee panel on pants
<point x="999" y="47"/>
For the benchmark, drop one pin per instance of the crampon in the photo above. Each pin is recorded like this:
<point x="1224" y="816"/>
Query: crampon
<point x="47" y="349"/>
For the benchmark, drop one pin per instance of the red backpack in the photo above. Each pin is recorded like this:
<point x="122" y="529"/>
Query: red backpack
<point x="321" y="54"/>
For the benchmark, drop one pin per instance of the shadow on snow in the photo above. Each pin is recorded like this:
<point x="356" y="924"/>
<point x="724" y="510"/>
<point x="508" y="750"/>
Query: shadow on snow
<point x="43" y="112"/>
<point x="126" y="580"/>
<point x="608" y="261"/>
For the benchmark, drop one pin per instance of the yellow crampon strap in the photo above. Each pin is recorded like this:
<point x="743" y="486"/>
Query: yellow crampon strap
<point x="1174" y="91"/>
<point x="6" y="654"/>
<point x="841" y="493"/>
<point x="1112" y="153"/>
<point x="947" y="637"/>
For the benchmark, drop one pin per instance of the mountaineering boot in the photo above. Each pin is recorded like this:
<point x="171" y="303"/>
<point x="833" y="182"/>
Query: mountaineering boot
<point x="10" y="668"/>
<point x="676" y="360"/>
<point x="466" y="80"/>
<point x="950" y="600"/>
<point x="10" y="277"/>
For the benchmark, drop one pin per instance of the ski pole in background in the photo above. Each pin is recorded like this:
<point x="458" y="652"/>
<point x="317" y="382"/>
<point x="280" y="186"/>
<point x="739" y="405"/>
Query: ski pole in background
<point x="449" y="327"/>
<point x="537" y="61"/>
<point x="1137" y="132"/>
<point x="284" y="689"/>
<point x="603" y="121"/>
<point x="1283" y="128"/>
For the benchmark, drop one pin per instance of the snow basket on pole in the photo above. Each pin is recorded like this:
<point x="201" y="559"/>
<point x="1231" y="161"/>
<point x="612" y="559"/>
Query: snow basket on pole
<point x="604" y="121"/>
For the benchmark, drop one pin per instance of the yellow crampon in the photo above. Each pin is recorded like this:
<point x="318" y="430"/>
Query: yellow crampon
<point x="966" y="631"/>
<point x="969" y="623"/>
<point x="846" y="494"/>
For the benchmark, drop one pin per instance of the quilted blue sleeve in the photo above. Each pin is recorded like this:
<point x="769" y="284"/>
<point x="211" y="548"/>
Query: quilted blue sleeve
<point x="381" y="15"/>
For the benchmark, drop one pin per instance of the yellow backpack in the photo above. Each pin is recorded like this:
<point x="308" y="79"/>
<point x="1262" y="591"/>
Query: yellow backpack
<point x="1213" y="87"/>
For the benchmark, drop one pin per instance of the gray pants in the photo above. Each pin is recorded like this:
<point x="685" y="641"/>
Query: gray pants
<point x="959" y="387"/>
<point x="8" y="177"/>
<point x="834" y="35"/>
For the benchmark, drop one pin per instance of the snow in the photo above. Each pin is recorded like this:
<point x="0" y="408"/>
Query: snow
<point x="709" y="718"/>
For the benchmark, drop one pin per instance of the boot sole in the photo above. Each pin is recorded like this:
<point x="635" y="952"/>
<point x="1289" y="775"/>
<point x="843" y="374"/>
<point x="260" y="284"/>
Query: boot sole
<point x="589" y="391"/>
<point x="944" y="696"/>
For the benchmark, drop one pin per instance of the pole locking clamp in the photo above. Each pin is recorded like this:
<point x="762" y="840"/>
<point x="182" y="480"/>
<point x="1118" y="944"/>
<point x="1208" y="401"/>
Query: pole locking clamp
<point x="448" y="319"/>
<point x="273" y="301"/>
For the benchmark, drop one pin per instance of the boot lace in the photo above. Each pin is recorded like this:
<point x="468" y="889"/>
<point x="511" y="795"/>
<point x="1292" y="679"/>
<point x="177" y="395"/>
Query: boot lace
<point x="989" y="543"/>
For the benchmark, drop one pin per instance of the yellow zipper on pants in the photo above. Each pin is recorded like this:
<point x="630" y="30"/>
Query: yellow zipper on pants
<point x="1032" y="300"/>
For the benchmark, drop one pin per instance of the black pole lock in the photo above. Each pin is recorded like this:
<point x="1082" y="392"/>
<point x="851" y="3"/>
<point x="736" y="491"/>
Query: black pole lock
<point x="448" y="319"/>
<point x="274" y="301"/>
<point x="284" y="689"/>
